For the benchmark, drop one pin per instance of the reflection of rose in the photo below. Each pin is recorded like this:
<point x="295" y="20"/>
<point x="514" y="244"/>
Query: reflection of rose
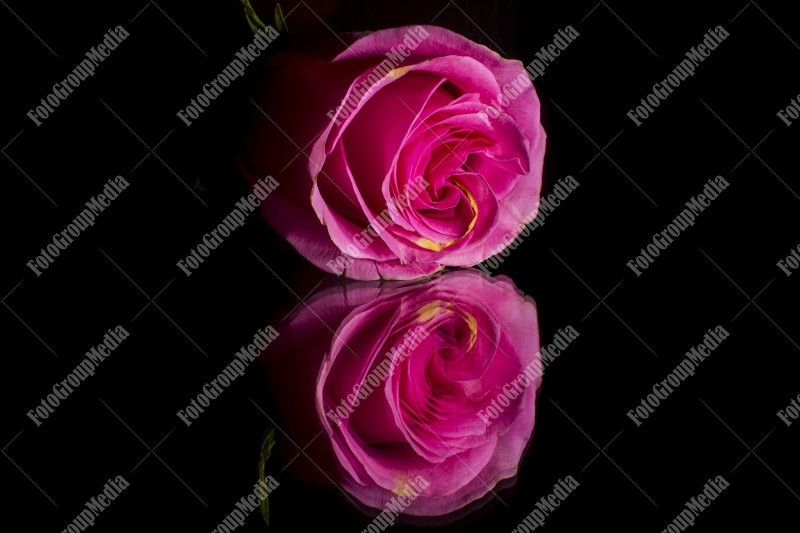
<point x="395" y="168"/>
<point x="406" y="374"/>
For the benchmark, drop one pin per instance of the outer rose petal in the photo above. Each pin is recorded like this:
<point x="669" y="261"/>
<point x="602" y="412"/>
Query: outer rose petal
<point x="282" y="136"/>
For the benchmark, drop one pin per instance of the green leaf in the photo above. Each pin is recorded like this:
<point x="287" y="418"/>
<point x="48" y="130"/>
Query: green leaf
<point x="266" y="451"/>
<point x="255" y="23"/>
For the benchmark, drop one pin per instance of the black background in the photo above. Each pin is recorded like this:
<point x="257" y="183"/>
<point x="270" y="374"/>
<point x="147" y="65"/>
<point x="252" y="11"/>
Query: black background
<point x="634" y="330"/>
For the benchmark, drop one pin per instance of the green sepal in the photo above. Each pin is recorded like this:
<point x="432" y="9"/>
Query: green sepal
<point x="266" y="451"/>
<point x="253" y="20"/>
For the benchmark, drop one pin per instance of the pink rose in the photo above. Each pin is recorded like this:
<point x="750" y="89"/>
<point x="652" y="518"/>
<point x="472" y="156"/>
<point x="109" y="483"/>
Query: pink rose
<point x="413" y="149"/>
<point x="425" y="390"/>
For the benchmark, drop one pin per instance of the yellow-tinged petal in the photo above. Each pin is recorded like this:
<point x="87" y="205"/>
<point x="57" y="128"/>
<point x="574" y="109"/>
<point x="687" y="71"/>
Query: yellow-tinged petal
<point x="429" y="311"/>
<point x="402" y="482"/>
<point x="397" y="72"/>
<point x="473" y="204"/>
<point x="434" y="246"/>
<point x="472" y="323"/>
